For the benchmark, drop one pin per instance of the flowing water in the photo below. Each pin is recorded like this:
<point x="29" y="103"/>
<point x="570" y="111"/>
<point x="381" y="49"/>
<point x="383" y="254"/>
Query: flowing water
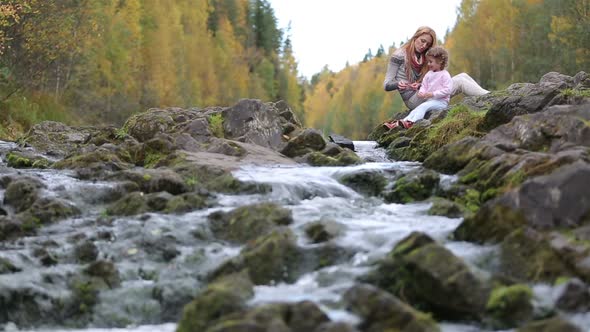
<point x="138" y="244"/>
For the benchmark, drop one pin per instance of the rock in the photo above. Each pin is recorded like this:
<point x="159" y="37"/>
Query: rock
<point x="527" y="255"/>
<point x="381" y="311"/>
<point x="323" y="230"/>
<point x="86" y="252"/>
<point x="220" y="298"/>
<point x="130" y="204"/>
<point x="253" y="121"/>
<point x="555" y="324"/>
<point x="430" y="277"/>
<point x="22" y="192"/>
<point x="414" y="186"/>
<point x="269" y="259"/>
<point x="105" y="272"/>
<point x="445" y="207"/>
<point x="574" y="296"/>
<point x="155" y="180"/>
<point x="341" y="141"/>
<point x="510" y="306"/>
<point x="309" y="140"/>
<point x="56" y="139"/>
<point x="344" y="158"/>
<point x="367" y="182"/>
<point x="26" y="159"/>
<point x="248" y="222"/>
<point x="6" y="266"/>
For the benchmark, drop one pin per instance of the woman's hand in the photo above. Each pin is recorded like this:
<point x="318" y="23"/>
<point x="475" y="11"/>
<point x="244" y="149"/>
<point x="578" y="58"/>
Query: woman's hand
<point x="402" y="85"/>
<point x="415" y="86"/>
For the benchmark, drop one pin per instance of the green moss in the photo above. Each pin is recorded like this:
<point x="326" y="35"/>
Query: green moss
<point x="85" y="295"/>
<point x="216" y="125"/>
<point x="502" y="297"/>
<point x="460" y="122"/>
<point x="17" y="161"/>
<point x="561" y="281"/>
<point x="121" y="133"/>
<point x="510" y="306"/>
<point x="147" y="177"/>
<point x="152" y="159"/>
<point x="30" y="224"/>
<point x="575" y="93"/>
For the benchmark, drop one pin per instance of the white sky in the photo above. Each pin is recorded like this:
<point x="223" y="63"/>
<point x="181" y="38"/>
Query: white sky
<point x="333" y="32"/>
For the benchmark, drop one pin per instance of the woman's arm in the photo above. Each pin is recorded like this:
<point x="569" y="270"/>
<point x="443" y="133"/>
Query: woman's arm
<point x="390" y="83"/>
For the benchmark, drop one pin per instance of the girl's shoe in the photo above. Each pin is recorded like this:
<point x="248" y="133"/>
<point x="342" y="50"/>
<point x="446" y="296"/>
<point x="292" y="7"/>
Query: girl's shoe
<point x="392" y="124"/>
<point x="407" y="123"/>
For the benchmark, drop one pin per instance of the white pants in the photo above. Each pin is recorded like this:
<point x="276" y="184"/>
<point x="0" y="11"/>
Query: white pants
<point x="419" y="112"/>
<point x="462" y="83"/>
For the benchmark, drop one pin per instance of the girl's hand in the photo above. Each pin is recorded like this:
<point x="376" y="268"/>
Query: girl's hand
<point x="425" y="95"/>
<point x="415" y="86"/>
<point x="402" y="85"/>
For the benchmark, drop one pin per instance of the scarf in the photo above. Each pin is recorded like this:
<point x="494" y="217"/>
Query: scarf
<point x="415" y="68"/>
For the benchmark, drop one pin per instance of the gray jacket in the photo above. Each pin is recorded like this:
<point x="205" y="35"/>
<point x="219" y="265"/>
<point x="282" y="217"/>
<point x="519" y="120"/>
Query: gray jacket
<point x="396" y="72"/>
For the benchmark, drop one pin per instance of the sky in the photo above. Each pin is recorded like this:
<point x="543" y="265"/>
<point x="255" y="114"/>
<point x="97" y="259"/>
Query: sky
<point x="332" y="32"/>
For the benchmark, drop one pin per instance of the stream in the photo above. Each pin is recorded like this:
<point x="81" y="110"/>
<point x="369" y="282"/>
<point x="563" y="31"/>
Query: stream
<point x="163" y="258"/>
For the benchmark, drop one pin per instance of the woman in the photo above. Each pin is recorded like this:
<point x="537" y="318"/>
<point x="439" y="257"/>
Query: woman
<point x="407" y="67"/>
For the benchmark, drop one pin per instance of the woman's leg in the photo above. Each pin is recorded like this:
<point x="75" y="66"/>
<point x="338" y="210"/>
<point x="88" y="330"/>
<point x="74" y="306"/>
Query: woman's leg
<point x="463" y="83"/>
<point x="419" y="112"/>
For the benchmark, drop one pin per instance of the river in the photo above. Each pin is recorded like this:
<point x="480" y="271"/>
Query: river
<point x="368" y="226"/>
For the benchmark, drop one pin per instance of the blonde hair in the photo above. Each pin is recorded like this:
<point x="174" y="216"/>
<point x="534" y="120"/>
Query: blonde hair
<point x="439" y="54"/>
<point x="410" y="47"/>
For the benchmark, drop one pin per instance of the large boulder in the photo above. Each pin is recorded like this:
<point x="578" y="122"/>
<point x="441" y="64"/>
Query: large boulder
<point x="382" y="311"/>
<point x="522" y="98"/>
<point x="269" y="259"/>
<point x="222" y="297"/>
<point x="248" y="222"/>
<point x="430" y="277"/>
<point x="253" y="121"/>
<point x="557" y="200"/>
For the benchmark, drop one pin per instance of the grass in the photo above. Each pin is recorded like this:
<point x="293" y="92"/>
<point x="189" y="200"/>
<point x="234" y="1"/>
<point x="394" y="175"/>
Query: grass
<point x="460" y="122"/>
<point x="216" y="125"/>
<point x="20" y="112"/>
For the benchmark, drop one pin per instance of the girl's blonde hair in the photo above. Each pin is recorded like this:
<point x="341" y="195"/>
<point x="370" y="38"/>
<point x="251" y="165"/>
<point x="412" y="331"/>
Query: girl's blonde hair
<point x="439" y="54"/>
<point x="409" y="48"/>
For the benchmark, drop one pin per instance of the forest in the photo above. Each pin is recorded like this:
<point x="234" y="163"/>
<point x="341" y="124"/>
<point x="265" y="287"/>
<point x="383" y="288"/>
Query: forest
<point x="98" y="62"/>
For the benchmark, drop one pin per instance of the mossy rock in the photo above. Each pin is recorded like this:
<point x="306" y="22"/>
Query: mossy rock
<point x="491" y="224"/>
<point x="345" y="158"/>
<point x="19" y="159"/>
<point x="130" y="204"/>
<point x="272" y="258"/>
<point x="555" y="324"/>
<point x="527" y="255"/>
<point x="308" y="140"/>
<point x="22" y="192"/>
<point x="248" y="222"/>
<point x="370" y="183"/>
<point x="444" y="207"/>
<point x="510" y="306"/>
<point x="219" y="299"/>
<point x="189" y="202"/>
<point x="381" y="311"/>
<point x="413" y="187"/>
<point x="431" y="279"/>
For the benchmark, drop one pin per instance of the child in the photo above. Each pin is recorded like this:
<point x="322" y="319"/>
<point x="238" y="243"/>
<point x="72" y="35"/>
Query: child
<point x="437" y="86"/>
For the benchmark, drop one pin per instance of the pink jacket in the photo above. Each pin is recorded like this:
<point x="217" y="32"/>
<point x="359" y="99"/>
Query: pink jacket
<point x="439" y="83"/>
